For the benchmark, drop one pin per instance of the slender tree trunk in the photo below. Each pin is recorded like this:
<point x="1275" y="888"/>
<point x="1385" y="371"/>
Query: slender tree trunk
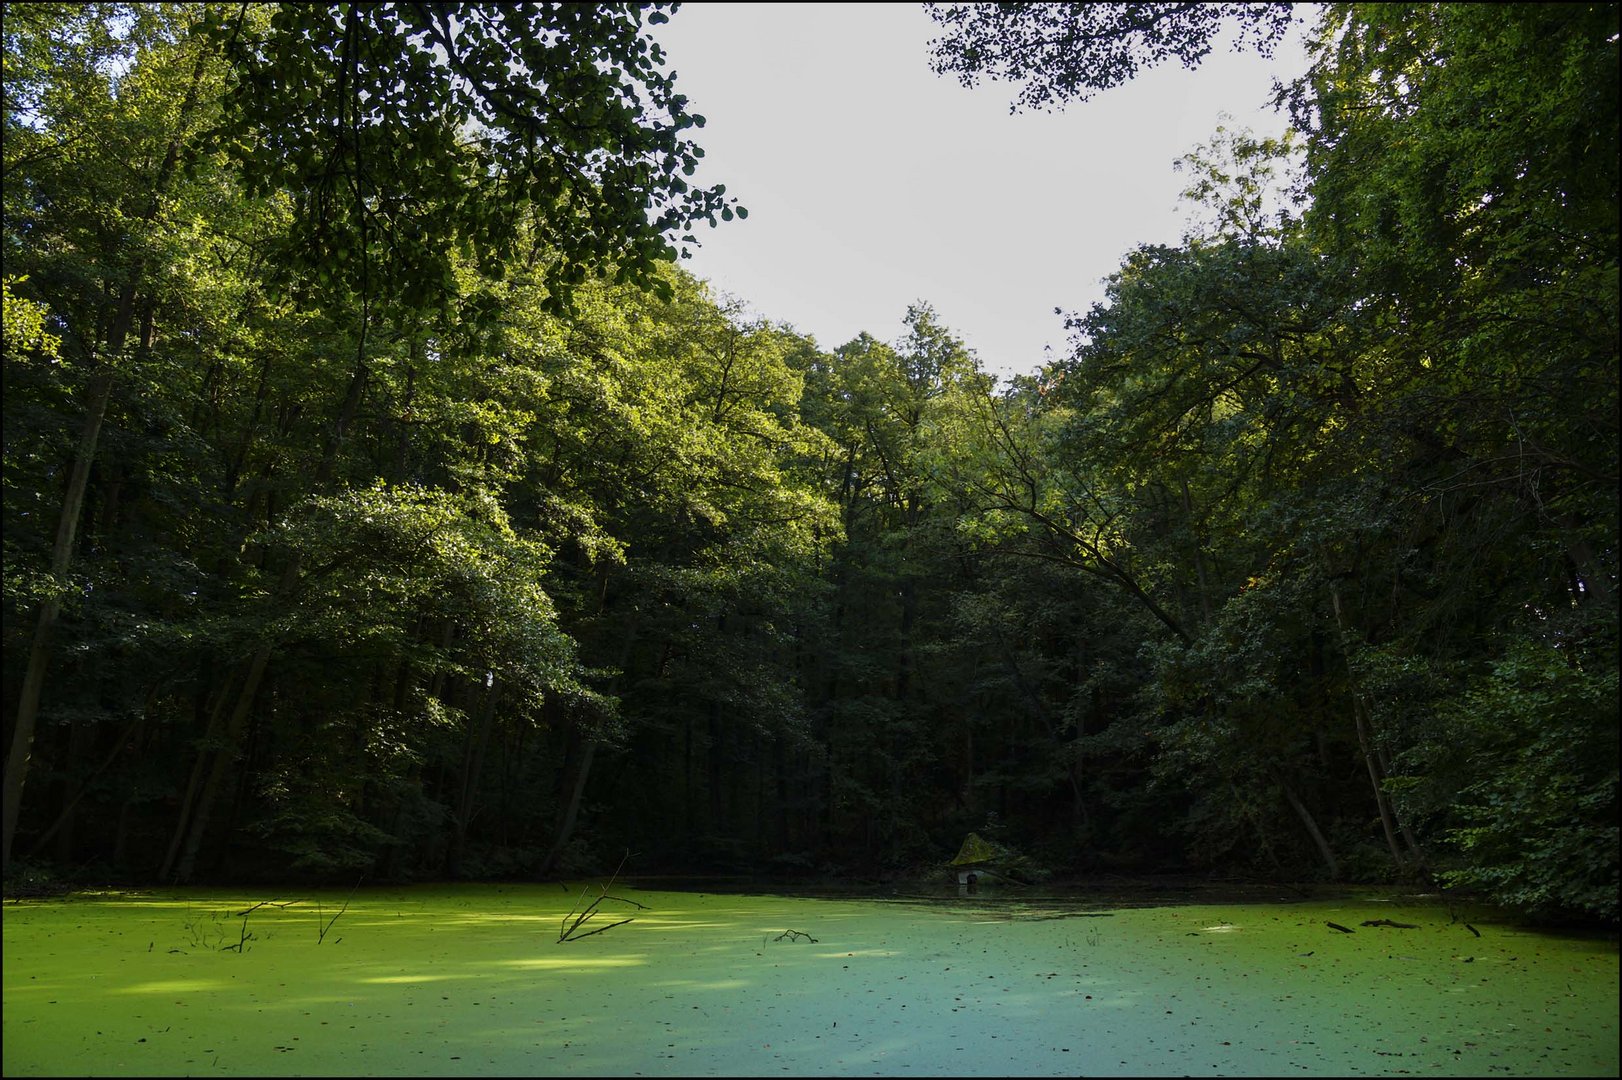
<point x="194" y="784"/>
<point x="39" y="653"/>
<point x="223" y="758"/>
<point x="478" y="738"/>
<point x="1311" y="825"/>
<point x="1199" y="560"/>
<point x="967" y="797"/>
<point x="1364" y="743"/>
<point x="715" y="779"/>
<point x="586" y="749"/>
<point x="784" y="837"/>
<point x="582" y="749"/>
<point x="687" y="774"/>
<point x="64" y="817"/>
<point x="1255" y="821"/>
<point x="1078" y="806"/>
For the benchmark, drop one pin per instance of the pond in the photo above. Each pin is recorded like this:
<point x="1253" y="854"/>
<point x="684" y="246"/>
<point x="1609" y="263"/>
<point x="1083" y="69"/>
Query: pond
<point x="473" y="980"/>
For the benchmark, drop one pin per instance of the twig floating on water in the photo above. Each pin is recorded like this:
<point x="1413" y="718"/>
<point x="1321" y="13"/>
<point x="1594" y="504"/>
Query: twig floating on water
<point x="269" y="903"/>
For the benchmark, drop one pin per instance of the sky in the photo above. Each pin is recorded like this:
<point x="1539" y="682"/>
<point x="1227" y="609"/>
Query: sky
<point x="872" y="183"/>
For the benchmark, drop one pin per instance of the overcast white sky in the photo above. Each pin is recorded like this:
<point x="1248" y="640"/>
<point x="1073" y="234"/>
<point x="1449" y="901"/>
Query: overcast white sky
<point x="872" y="183"/>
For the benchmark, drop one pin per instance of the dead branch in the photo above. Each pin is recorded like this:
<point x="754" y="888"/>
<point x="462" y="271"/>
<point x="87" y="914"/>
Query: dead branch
<point x="795" y="935"/>
<point x="322" y="935"/>
<point x="623" y="900"/>
<point x="284" y="905"/>
<point x="567" y="930"/>
<point x="241" y="945"/>
<point x="599" y="930"/>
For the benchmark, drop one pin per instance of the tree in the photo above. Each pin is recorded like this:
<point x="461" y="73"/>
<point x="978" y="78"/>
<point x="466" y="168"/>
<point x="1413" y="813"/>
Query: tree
<point x="889" y="703"/>
<point x="337" y="545"/>
<point x="1366" y="441"/>
<point x="63" y="114"/>
<point x="1519" y="772"/>
<point x="1069" y="52"/>
<point x="1471" y="163"/>
<point x="405" y="131"/>
<point x="370" y="124"/>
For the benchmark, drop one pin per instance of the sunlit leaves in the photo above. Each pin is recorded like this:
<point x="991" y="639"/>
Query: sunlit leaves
<point x="25" y="321"/>
<point x="379" y="559"/>
<point x="406" y="130"/>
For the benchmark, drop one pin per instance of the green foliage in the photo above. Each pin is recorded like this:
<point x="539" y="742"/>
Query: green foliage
<point x="320" y="838"/>
<point x="1069" y="52"/>
<point x="25" y="322"/>
<point x="1526" y="758"/>
<point x="432" y="525"/>
<point x="405" y="132"/>
<point x="1321" y="450"/>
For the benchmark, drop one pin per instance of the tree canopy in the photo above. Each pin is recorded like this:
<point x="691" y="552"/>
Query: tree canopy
<point x="1068" y="52"/>
<point x="382" y="498"/>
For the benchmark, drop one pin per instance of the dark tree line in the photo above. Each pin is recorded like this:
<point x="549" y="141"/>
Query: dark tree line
<point x="379" y="500"/>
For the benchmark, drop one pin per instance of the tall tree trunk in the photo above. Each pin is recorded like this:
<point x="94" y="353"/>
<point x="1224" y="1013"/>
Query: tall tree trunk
<point x="585" y="748"/>
<point x="687" y="773"/>
<point x="1388" y="820"/>
<point x="1078" y="805"/>
<point x="64" y="817"/>
<point x="784" y="839"/>
<point x="478" y="739"/>
<point x="39" y="653"/>
<point x="220" y="768"/>
<point x="199" y="770"/>
<point x="715" y="775"/>
<point x="582" y="749"/>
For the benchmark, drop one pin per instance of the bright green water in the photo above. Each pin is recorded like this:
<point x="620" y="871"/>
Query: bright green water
<point x="472" y="980"/>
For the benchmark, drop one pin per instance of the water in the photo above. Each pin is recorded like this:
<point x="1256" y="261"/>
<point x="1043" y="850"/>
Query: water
<point x="472" y="980"/>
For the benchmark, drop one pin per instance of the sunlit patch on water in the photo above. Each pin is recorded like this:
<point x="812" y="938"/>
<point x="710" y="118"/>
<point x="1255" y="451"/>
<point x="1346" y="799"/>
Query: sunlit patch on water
<point x="571" y="963"/>
<point x="173" y="986"/>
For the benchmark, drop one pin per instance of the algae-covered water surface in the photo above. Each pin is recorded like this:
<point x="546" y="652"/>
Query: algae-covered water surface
<point x="473" y="980"/>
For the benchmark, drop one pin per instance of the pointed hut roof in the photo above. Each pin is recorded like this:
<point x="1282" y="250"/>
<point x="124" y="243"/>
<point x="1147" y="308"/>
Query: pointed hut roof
<point x="976" y="851"/>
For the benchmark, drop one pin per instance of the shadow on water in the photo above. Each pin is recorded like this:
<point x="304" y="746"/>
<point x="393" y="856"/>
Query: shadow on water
<point x="1116" y="893"/>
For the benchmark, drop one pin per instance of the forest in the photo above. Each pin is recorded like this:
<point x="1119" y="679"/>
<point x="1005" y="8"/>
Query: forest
<point x="383" y="502"/>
